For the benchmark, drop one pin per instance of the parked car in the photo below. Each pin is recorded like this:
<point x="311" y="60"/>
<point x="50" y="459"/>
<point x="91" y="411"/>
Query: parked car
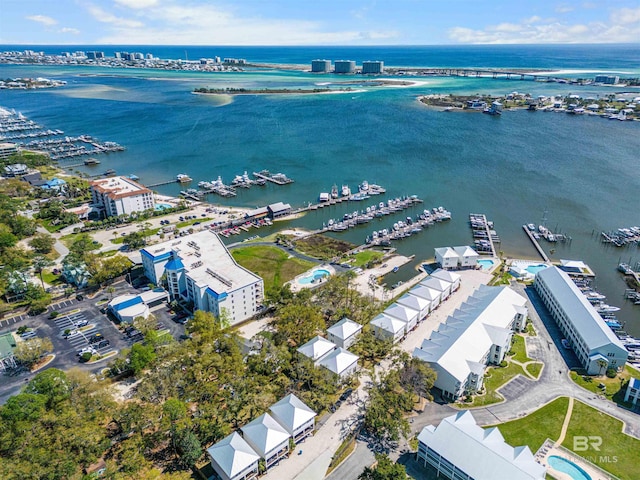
<point x="79" y="297"/>
<point x="103" y="343"/>
<point x="82" y="323"/>
<point x="90" y="350"/>
<point x="28" y="334"/>
<point x="95" y="338"/>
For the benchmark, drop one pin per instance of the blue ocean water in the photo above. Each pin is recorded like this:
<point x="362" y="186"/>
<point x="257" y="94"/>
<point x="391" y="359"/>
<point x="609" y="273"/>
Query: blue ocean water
<point x="581" y="171"/>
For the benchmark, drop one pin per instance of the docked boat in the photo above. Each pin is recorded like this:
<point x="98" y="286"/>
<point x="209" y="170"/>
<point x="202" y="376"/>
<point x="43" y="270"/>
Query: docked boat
<point x="613" y="324"/>
<point x="323" y="197"/>
<point x="604" y="308"/>
<point x="364" y="187"/>
<point x="345" y="191"/>
<point x="109" y="172"/>
<point x="626" y="269"/>
<point x="91" y="161"/>
<point x="183" y="178"/>
<point x="334" y="191"/>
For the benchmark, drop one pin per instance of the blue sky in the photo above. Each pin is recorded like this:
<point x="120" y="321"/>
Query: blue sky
<point x="318" y="22"/>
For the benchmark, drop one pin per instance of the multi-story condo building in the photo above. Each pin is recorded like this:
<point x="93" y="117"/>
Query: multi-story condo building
<point x="593" y="342"/>
<point x="120" y="196"/>
<point x="200" y="271"/>
<point x="344" y="66"/>
<point x="372" y="67"/>
<point x="477" y="334"/>
<point x="459" y="449"/>
<point x="320" y="66"/>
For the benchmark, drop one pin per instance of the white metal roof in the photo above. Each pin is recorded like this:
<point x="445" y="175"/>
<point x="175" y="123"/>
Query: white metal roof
<point x="435" y="283"/>
<point x="389" y="324"/>
<point x="264" y="434"/>
<point x="482" y="454"/>
<point x="291" y="413"/>
<point x="339" y="360"/>
<point x="466" y="251"/>
<point x="425" y="292"/>
<point x="471" y="330"/>
<point x="232" y="455"/>
<point x="316" y="348"/>
<point x="446" y="252"/>
<point x="414" y="301"/>
<point x="579" y="311"/>
<point x="344" y="329"/>
<point x="401" y="312"/>
<point x="446" y="275"/>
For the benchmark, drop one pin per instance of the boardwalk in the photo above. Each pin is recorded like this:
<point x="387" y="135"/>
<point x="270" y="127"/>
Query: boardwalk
<point x="535" y="244"/>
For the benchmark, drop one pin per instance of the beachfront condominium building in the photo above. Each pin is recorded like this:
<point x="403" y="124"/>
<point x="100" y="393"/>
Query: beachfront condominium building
<point x="593" y="342"/>
<point x="200" y="271"/>
<point x="344" y="66"/>
<point x="372" y="67"/>
<point x="7" y="149"/>
<point x="120" y="196"/>
<point x="320" y="66"/>
<point x="475" y="335"/>
<point x="458" y="448"/>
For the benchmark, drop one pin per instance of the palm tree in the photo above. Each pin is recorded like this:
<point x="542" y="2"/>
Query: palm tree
<point x="602" y="363"/>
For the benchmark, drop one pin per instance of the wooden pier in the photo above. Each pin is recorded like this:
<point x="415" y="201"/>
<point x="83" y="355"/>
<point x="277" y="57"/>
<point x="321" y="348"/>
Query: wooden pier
<point x="535" y="243"/>
<point x="483" y="234"/>
<point x="159" y="184"/>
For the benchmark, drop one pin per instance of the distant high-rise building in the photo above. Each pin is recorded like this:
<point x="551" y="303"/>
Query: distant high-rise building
<point x="607" y="79"/>
<point x="95" y="55"/>
<point x="149" y="56"/>
<point x="321" y="66"/>
<point x="372" y="67"/>
<point x="344" y="66"/>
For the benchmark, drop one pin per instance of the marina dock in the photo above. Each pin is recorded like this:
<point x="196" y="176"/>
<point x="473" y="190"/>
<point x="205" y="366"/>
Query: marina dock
<point x="535" y="243"/>
<point x="484" y="237"/>
<point x="277" y="178"/>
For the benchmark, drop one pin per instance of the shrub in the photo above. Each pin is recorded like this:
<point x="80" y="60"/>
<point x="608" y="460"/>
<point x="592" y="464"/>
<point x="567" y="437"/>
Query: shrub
<point x="611" y="372"/>
<point x="503" y="363"/>
<point x="53" y="315"/>
<point x="86" y="356"/>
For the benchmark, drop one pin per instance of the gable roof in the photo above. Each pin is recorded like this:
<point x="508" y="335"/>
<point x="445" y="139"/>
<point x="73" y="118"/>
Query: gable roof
<point x="344" y="329"/>
<point x="477" y="451"/>
<point x="401" y="312"/>
<point x="435" y="283"/>
<point x="291" y="412"/>
<point x="232" y="454"/>
<point x="446" y="252"/>
<point x="425" y="292"/>
<point x="466" y="251"/>
<point x="414" y="301"/>
<point x="446" y="275"/>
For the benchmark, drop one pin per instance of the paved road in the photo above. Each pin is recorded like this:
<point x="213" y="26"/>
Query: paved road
<point x="522" y="395"/>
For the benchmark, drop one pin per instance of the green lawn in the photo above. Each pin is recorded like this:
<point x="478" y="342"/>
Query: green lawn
<point x="619" y="453"/>
<point x="518" y="347"/>
<point x="272" y="264"/>
<point x="51" y="279"/>
<point x="188" y="223"/>
<point x="536" y="427"/>
<point x="612" y="390"/>
<point x="494" y="379"/>
<point x="534" y="369"/>
<point x="363" y="258"/>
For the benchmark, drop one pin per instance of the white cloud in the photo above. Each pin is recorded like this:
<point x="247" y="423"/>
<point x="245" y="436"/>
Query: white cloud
<point x="563" y="8"/>
<point x="534" y="19"/>
<point x="106" y="17"/>
<point x="73" y="31"/>
<point x="43" y="19"/>
<point x="207" y="24"/>
<point x="623" y="26"/>
<point x="626" y="16"/>
<point x="137" y="4"/>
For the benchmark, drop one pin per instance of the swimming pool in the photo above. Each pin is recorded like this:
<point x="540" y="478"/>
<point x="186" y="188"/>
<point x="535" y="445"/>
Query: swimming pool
<point x="162" y="206"/>
<point x="533" y="269"/>
<point x="314" y="276"/>
<point x="486" y="264"/>
<point x="566" y="466"/>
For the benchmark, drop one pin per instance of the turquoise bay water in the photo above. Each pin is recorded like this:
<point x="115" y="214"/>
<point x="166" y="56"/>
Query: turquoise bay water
<point x="582" y="171"/>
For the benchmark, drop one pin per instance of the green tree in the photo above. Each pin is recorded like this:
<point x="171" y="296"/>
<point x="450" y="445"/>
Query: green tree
<point x="188" y="447"/>
<point x="140" y="356"/>
<point x="7" y="238"/>
<point x="416" y="376"/>
<point x="39" y="264"/>
<point x="385" y="469"/>
<point x="42" y="243"/>
<point x="53" y="384"/>
<point x="298" y="323"/>
<point x="31" y="350"/>
<point x="104" y="269"/>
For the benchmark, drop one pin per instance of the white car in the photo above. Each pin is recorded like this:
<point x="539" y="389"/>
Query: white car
<point x="90" y="350"/>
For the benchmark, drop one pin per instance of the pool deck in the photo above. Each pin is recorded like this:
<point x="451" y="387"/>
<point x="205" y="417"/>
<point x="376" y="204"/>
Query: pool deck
<point x="543" y="455"/>
<point x="295" y="284"/>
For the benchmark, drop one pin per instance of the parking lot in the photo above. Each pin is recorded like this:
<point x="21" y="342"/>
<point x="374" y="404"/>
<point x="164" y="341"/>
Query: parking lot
<point x="86" y="327"/>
